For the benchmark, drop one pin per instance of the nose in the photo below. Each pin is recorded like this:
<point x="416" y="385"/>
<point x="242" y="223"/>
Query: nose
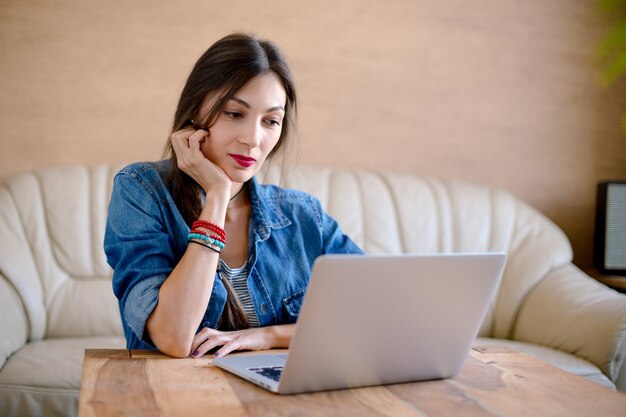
<point x="251" y="135"/>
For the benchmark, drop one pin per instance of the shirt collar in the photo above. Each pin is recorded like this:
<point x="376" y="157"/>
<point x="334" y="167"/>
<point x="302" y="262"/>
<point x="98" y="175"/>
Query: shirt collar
<point x="266" y="212"/>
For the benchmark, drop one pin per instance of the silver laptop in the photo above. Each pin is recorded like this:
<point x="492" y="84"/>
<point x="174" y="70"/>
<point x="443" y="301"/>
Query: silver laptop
<point x="373" y="320"/>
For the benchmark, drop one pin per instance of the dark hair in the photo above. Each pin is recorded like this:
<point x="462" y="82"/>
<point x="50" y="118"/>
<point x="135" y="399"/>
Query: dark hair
<point x="224" y="69"/>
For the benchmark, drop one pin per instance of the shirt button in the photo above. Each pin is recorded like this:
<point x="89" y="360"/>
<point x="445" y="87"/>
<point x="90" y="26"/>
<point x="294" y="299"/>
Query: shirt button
<point x="263" y="308"/>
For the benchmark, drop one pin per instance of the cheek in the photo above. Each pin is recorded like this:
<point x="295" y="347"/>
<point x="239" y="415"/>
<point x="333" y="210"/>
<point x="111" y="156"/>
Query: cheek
<point x="271" y="142"/>
<point x="206" y="148"/>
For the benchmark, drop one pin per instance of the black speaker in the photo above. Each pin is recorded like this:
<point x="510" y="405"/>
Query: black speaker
<point x="609" y="249"/>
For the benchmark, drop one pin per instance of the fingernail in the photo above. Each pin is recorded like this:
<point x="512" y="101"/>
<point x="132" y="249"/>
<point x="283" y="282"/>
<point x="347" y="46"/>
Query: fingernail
<point x="217" y="354"/>
<point x="195" y="353"/>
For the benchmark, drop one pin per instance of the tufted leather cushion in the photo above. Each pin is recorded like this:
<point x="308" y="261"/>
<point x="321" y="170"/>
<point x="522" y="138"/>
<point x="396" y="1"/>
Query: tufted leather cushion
<point x="56" y="297"/>
<point x="390" y="213"/>
<point x="43" y="378"/>
<point x="53" y="223"/>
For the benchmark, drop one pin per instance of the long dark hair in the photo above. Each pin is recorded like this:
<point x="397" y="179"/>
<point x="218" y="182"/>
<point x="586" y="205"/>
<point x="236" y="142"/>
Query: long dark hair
<point x="223" y="69"/>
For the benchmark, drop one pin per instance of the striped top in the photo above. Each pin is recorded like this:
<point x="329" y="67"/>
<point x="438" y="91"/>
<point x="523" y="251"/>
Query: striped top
<point x="238" y="277"/>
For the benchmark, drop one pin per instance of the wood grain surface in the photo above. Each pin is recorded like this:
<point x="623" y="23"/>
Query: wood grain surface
<point x="494" y="382"/>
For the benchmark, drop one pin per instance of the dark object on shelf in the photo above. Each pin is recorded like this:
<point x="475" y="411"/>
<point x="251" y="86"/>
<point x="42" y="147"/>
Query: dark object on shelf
<point x="609" y="249"/>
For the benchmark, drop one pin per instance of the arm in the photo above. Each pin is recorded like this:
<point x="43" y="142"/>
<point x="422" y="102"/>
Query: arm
<point x="184" y="295"/>
<point x="258" y="338"/>
<point x="570" y="311"/>
<point x="150" y="262"/>
<point x="164" y="285"/>
<point x="332" y="240"/>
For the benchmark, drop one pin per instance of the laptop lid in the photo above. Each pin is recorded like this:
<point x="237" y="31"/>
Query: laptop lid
<point x="381" y="319"/>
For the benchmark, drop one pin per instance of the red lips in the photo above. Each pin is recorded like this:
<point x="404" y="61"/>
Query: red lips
<point x="244" y="161"/>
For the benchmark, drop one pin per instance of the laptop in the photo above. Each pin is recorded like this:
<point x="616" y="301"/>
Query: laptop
<point x="379" y="319"/>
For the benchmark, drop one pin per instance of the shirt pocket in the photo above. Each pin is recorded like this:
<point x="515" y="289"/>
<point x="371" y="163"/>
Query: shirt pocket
<point x="292" y="305"/>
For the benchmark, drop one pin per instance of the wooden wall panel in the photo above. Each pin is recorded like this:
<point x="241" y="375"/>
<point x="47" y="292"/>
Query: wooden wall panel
<point x="496" y="91"/>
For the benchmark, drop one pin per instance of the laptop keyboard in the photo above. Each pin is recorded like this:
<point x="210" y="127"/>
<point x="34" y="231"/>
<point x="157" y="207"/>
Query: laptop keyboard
<point x="271" y="372"/>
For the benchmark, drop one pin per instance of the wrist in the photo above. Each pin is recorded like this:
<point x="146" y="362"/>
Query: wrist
<point x="280" y="335"/>
<point x="214" y="208"/>
<point x="217" y="191"/>
<point x="215" y="212"/>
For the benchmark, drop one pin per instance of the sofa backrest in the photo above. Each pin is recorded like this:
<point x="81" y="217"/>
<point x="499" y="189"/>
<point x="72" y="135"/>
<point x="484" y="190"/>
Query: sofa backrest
<point x="393" y="213"/>
<point x="52" y="226"/>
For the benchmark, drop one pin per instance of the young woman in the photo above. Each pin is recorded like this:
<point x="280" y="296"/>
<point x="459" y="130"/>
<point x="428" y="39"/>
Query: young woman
<point x="204" y="256"/>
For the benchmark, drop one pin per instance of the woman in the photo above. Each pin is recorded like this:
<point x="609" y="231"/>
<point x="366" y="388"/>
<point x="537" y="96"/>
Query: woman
<point x="204" y="256"/>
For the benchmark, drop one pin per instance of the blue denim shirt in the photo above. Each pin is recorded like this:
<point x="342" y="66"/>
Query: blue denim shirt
<point x="146" y="236"/>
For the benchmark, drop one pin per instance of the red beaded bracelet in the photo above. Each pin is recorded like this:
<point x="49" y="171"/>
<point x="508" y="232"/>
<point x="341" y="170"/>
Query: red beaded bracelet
<point x="211" y="226"/>
<point x="203" y="233"/>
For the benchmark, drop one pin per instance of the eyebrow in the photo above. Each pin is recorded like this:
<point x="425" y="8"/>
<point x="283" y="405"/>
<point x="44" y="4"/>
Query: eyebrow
<point x="248" y="106"/>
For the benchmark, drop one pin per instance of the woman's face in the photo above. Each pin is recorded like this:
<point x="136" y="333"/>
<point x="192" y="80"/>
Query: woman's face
<point x="247" y="128"/>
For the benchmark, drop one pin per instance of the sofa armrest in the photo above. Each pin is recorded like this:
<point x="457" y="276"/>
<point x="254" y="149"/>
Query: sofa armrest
<point x="572" y="312"/>
<point x="13" y="321"/>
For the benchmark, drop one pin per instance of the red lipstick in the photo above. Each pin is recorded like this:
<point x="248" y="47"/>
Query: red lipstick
<point x="244" y="161"/>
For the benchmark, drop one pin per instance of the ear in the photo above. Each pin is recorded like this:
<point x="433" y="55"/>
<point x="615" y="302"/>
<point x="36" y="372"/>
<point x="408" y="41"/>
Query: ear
<point x="201" y="141"/>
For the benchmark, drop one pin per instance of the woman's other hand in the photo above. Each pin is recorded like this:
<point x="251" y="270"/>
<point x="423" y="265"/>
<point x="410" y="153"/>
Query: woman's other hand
<point x="257" y="338"/>
<point x="186" y="144"/>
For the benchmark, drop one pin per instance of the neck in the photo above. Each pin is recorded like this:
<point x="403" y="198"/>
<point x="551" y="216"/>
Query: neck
<point x="237" y="196"/>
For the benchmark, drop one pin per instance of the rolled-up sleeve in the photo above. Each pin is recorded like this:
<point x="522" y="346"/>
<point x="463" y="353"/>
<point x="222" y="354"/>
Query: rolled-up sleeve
<point x="138" y="248"/>
<point x="141" y="300"/>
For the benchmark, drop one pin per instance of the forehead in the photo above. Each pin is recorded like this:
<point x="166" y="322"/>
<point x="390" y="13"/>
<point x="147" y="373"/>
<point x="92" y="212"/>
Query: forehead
<point x="261" y="92"/>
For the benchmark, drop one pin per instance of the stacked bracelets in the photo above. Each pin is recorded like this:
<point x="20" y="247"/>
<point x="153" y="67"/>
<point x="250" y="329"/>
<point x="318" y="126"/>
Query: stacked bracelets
<point x="214" y="240"/>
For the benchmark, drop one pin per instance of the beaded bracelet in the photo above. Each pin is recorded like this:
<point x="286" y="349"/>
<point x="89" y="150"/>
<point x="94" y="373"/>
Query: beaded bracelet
<point x="202" y="232"/>
<point x="211" y="226"/>
<point x="206" y="246"/>
<point x="206" y="239"/>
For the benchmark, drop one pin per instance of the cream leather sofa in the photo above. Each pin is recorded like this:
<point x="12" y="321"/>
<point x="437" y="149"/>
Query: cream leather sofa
<point x="55" y="286"/>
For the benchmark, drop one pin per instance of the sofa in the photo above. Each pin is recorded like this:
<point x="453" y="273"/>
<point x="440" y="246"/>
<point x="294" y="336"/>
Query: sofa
<point x="55" y="286"/>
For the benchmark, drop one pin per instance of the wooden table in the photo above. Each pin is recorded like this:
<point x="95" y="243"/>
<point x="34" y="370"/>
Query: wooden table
<point x="494" y="382"/>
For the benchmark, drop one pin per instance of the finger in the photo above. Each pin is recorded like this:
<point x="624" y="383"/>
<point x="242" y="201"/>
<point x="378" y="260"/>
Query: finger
<point x="209" y="344"/>
<point x="197" y="137"/>
<point x="179" y="144"/>
<point x="200" y="338"/>
<point x="182" y="135"/>
<point x="229" y="347"/>
<point x="194" y="144"/>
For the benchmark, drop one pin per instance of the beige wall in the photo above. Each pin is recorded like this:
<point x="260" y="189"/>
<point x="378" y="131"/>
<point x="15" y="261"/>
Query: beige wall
<point x="496" y="91"/>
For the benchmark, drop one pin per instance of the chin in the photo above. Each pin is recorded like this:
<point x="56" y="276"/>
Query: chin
<point x="240" y="175"/>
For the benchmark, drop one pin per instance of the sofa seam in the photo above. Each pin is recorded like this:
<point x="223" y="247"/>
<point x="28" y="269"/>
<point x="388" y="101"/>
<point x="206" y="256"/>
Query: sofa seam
<point x="4" y="277"/>
<point x="47" y="301"/>
<point x="361" y="199"/>
<point x="431" y="187"/>
<point x="511" y="250"/>
<point x="32" y="254"/>
<point x="394" y="203"/>
<point x="450" y="238"/>
<point x="22" y="223"/>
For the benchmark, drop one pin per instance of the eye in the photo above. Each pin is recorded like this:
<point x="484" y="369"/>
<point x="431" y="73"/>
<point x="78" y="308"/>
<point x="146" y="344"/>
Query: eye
<point x="273" y="122"/>
<point x="233" y="114"/>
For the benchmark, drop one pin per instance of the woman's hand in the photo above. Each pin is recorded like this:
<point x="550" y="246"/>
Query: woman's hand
<point x="186" y="144"/>
<point x="258" y="338"/>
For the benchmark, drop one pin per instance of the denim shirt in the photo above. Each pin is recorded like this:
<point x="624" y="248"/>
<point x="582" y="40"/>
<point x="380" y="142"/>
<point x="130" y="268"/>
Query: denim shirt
<point x="146" y="236"/>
